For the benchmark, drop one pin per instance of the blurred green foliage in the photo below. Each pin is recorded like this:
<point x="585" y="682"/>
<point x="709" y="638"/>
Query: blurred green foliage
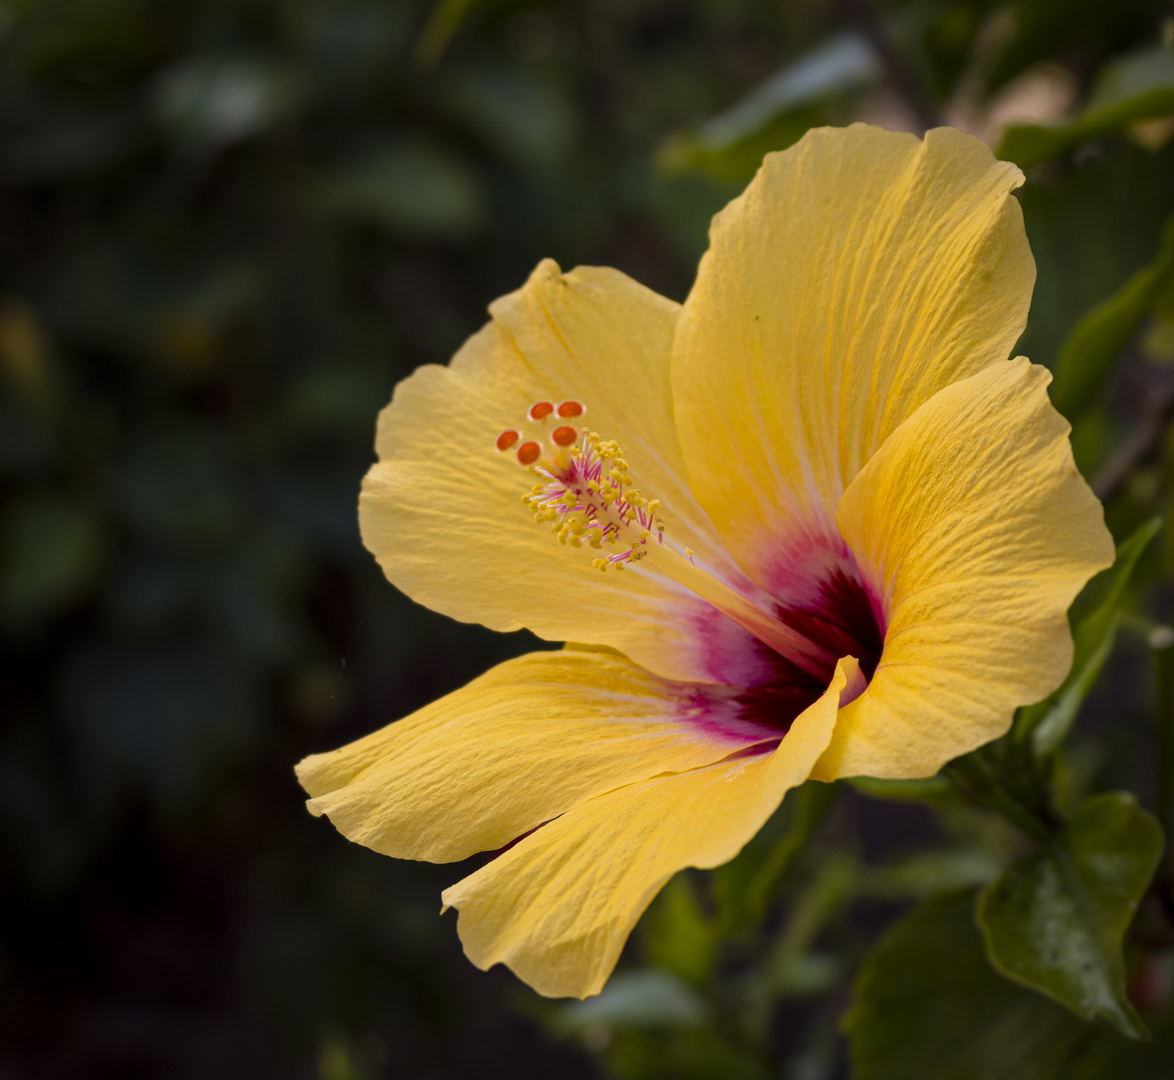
<point x="1048" y="723"/>
<point x="931" y="1006"/>
<point x="1136" y="86"/>
<point x="226" y="230"/>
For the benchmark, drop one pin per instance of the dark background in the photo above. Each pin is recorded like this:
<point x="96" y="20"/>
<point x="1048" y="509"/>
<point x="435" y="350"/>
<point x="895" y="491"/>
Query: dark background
<point x="226" y="231"/>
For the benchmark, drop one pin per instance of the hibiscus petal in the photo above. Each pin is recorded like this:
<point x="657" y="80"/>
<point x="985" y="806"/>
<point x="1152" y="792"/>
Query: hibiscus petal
<point x="443" y="513"/>
<point x="973" y="528"/>
<point x="518" y="746"/>
<point x="861" y="271"/>
<point x="557" y="907"/>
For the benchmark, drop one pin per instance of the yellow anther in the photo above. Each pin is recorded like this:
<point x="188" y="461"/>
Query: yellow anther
<point x="585" y="495"/>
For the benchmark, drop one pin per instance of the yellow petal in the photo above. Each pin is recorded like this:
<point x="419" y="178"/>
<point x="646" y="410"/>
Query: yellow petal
<point x="557" y="907"/>
<point x="518" y="746"/>
<point x="443" y="513"/>
<point x="861" y="271"/>
<point x="975" y="531"/>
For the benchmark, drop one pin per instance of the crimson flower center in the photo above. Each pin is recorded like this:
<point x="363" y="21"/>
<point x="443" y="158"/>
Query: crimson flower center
<point x="843" y="621"/>
<point x="585" y="494"/>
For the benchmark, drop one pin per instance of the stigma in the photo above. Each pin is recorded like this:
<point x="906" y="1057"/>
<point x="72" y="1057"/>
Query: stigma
<point x="585" y="492"/>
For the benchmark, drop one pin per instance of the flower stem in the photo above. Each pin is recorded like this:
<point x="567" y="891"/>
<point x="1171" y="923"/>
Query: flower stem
<point x="974" y="778"/>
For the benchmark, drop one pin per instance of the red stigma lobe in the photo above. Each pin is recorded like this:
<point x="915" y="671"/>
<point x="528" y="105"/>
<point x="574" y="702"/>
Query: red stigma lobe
<point x="528" y="453"/>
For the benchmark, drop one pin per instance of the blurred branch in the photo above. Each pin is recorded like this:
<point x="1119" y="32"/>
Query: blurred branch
<point x="904" y="79"/>
<point x="1156" y="405"/>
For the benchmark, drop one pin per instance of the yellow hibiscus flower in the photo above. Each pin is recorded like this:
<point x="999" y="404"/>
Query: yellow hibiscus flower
<point x="849" y="529"/>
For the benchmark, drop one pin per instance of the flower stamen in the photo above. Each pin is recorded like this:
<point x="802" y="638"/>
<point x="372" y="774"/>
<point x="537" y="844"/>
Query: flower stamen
<point x="585" y="493"/>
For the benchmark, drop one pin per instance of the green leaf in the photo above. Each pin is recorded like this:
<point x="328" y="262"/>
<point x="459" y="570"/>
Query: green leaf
<point x="1087" y="356"/>
<point x="447" y="17"/>
<point x="929" y="1006"/>
<point x="1049" y="721"/>
<point x="924" y="873"/>
<point x="677" y="934"/>
<point x="1037" y="30"/>
<point x="1106" y="1056"/>
<point x="215" y="100"/>
<point x="646" y="998"/>
<point x="946" y="44"/>
<point x="776" y="114"/>
<point x="1055" y="920"/>
<point x="529" y="121"/>
<point x="1157" y="345"/>
<point x="51" y="551"/>
<point x="932" y="790"/>
<point x="415" y="188"/>
<point x="1134" y="87"/>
